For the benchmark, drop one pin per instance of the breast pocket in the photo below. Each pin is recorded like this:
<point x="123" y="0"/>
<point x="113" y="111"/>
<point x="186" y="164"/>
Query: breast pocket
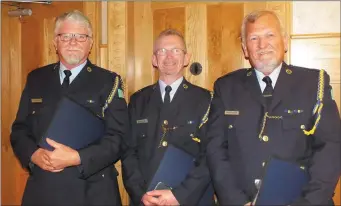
<point x="296" y="122"/>
<point x="186" y="136"/>
<point x="293" y="137"/>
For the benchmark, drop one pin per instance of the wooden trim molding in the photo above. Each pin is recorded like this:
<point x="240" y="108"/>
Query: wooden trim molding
<point x="315" y="36"/>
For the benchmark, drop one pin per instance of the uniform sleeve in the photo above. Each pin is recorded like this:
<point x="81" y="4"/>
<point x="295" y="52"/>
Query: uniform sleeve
<point x="22" y="140"/>
<point x="107" y="151"/>
<point x="222" y="175"/>
<point x="325" y="168"/>
<point x="133" y="180"/>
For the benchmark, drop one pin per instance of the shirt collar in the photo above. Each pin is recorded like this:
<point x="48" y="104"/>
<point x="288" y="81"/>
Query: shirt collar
<point x="274" y="75"/>
<point x="75" y="71"/>
<point x="175" y="85"/>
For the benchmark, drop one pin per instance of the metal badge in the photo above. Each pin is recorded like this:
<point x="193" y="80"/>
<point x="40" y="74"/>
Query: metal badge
<point x="37" y="100"/>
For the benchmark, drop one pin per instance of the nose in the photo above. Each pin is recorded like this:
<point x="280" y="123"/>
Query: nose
<point x="263" y="42"/>
<point x="73" y="40"/>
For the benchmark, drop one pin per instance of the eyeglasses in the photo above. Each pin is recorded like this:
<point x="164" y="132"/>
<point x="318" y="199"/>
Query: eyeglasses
<point x="174" y="51"/>
<point x="78" y="37"/>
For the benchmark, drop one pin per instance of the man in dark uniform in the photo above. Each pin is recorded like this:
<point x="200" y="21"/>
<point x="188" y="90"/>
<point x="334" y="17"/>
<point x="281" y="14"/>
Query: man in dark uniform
<point x="169" y="112"/>
<point x="65" y="176"/>
<point x="268" y="111"/>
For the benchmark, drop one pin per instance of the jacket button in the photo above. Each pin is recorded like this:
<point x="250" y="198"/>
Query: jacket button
<point x="165" y="122"/>
<point x="164" y="143"/>
<point x="302" y="126"/>
<point x="265" y="138"/>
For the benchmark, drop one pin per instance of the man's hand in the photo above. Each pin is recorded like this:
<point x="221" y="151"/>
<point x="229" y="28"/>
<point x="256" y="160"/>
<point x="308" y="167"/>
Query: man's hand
<point x="149" y="200"/>
<point x="165" y="197"/>
<point x="62" y="156"/>
<point x="248" y="204"/>
<point x="41" y="158"/>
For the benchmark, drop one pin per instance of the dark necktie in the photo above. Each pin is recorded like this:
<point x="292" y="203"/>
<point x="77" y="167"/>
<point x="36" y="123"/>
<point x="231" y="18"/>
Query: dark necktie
<point x="66" y="80"/>
<point x="166" y="100"/>
<point x="268" y="91"/>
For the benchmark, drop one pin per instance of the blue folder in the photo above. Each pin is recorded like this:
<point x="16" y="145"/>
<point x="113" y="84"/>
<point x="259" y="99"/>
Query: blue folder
<point x="173" y="169"/>
<point x="73" y="125"/>
<point x="282" y="183"/>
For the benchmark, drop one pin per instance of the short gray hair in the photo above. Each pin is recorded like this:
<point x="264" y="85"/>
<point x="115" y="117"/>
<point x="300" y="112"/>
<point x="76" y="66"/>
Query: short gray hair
<point x="172" y="32"/>
<point x="76" y="16"/>
<point x="253" y="16"/>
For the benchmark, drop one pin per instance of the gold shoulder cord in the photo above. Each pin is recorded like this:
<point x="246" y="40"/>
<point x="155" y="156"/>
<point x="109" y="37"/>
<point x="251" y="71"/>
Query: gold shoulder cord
<point x="319" y="104"/>
<point x="111" y="95"/>
<point x="205" y="117"/>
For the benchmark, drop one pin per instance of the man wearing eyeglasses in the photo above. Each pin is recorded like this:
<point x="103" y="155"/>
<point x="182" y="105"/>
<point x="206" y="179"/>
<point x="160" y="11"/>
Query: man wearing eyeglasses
<point x="171" y="112"/>
<point x="65" y="176"/>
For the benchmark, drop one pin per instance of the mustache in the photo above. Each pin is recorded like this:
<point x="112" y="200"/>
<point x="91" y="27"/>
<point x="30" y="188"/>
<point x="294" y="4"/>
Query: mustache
<point x="73" y="49"/>
<point x="264" y="51"/>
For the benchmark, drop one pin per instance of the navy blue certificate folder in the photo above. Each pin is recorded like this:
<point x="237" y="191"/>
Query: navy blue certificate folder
<point x="282" y="183"/>
<point x="173" y="169"/>
<point x="73" y="125"/>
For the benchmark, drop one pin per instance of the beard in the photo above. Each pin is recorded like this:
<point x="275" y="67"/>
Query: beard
<point x="72" y="59"/>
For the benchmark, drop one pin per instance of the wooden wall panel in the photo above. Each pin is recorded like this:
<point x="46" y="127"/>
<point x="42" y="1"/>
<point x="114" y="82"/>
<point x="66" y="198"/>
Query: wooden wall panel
<point x="195" y="36"/>
<point x="143" y="45"/>
<point x="169" y="18"/>
<point x="117" y="59"/>
<point x="49" y="51"/>
<point x="11" y="87"/>
<point x="214" y="44"/>
<point x="92" y="9"/>
<point x="117" y="38"/>
<point x="223" y="39"/>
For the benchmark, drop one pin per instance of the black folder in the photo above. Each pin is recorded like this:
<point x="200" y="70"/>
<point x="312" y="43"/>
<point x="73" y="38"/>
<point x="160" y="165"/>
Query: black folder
<point x="73" y="125"/>
<point x="173" y="169"/>
<point x="282" y="183"/>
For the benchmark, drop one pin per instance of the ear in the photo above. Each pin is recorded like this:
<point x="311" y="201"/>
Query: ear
<point x="187" y="59"/>
<point x="154" y="61"/>
<point x="246" y="54"/>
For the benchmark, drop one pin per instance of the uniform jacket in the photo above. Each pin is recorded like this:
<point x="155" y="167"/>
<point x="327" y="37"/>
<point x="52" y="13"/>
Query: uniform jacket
<point x="94" y="181"/>
<point x="144" y="148"/>
<point x="240" y="142"/>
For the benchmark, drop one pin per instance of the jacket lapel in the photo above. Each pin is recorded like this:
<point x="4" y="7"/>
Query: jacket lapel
<point x="251" y="84"/>
<point x="178" y="101"/>
<point x="82" y="78"/>
<point x="153" y="111"/>
<point x="284" y="84"/>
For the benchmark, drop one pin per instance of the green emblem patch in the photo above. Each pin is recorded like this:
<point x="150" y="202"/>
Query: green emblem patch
<point x="120" y="93"/>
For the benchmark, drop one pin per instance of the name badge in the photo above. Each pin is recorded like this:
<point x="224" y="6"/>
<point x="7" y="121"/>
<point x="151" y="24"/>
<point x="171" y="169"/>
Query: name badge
<point x="228" y="112"/>
<point x="142" y="121"/>
<point x="37" y="100"/>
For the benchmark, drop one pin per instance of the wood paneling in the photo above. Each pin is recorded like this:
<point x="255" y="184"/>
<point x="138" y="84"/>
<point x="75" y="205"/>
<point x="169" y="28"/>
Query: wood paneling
<point x="92" y="9"/>
<point x="11" y="87"/>
<point x="143" y="45"/>
<point x="195" y="36"/>
<point x="117" y="38"/>
<point x="117" y="59"/>
<point x="49" y="51"/>
<point x="223" y="39"/>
